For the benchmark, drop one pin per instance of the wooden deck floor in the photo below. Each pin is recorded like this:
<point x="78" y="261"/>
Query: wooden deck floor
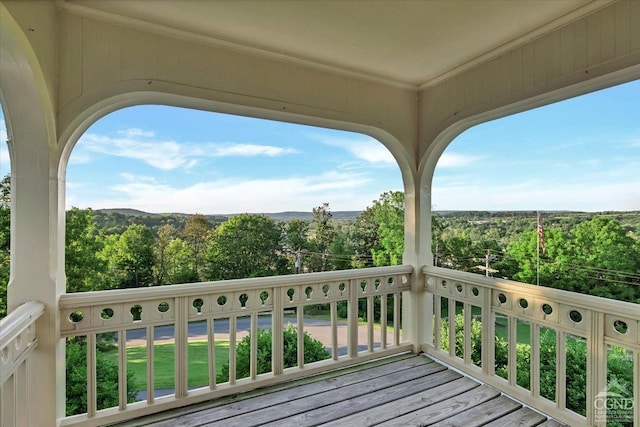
<point x="402" y="391"/>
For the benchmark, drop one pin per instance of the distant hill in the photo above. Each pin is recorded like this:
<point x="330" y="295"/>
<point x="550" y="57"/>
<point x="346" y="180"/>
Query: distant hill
<point x="278" y="216"/>
<point x="115" y="220"/>
<point x="308" y="216"/>
<point x="123" y="211"/>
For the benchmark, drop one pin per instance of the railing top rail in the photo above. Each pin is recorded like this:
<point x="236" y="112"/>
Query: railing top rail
<point x="598" y="304"/>
<point x="19" y="320"/>
<point x="68" y="301"/>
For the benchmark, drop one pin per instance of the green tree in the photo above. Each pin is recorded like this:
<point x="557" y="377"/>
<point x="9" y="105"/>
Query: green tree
<point x="322" y="233"/>
<point x="245" y="246"/>
<point x="340" y="252"/>
<point x="596" y="257"/>
<point x="314" y="351"/>
<point x="5" y="212"/>
<point x="295" y="234"/>
<point x="525" y="253"/>
<point x="85" y="269"/>
<point x="195" y="234"/>
<point x="437" y="228"/>
<point x="388" y="212"/>
<point x="295" y="241"/>
<point x="166" y="234"/>
<point x="5" y="241"/>
<point x="4" y="281"/>
<point x="134" y="256"/>
<point x="179" y="266"/>
<point x="364" y="236"/>
<point x="604" y="260"/>
<point x="458" y="253"/>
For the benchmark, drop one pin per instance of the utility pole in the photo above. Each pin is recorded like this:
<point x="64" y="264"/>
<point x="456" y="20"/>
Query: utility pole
<point x="486" y="267"/>
<point x="486" y="264"/>
<point x="298" y="261"/>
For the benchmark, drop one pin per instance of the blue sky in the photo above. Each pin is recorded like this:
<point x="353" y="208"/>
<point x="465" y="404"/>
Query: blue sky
<point x="580" y="154"/>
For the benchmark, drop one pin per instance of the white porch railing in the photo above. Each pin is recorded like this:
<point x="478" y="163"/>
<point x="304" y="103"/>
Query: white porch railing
<point x="217" y="312"/>
<point x="537" y="343"/>
<point x="17" y="342"/>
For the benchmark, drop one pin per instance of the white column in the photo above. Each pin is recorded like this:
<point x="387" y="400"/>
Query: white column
<point x="36" y="263"/>
<point x="37" y="214"/>
<point x="416" y="307"/>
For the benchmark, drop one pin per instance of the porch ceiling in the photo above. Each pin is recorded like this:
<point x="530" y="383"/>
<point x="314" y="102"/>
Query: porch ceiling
<point x="408" y="42"/>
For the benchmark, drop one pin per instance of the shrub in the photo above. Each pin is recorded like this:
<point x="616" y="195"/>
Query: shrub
<point x="620" y="363"/>
<point x="106" y="380"/>
<point x="314" y="351"/>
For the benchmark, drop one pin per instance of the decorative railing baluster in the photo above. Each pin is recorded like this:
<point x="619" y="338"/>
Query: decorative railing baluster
<point x="91" y="375"/>
<point x="150" y="365"/>
<point x="253" y="365"/>
<point x="181" y="331"/>
<point x="122" y="370"/>
<point x="17" y="343"/>
<point x="334" y="329"/>
<point x="246" y="302"/>
<point x="531" y="336"/>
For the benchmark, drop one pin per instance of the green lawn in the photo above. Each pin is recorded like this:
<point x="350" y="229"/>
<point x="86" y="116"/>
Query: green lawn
<point x="523" y="333"/>
<point x="164" y="357"/>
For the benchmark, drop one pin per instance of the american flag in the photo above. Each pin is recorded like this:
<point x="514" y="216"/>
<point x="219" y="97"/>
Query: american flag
<point x="541" y="236"/>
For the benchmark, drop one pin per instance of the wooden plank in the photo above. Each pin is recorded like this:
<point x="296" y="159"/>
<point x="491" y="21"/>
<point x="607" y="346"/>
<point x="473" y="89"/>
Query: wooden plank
<point x="344" y="406"/>
<point x="443" y="410"/>
<point x="161" y="419"/>
<point x="552" y="423"/>
<point x="402" y="392"/>
<point x="523" y="417"/>
<point x="397" y="408"/>
<point x="297" y="404"/>
<point x="481" y="414"/>
<point x="291" y="392"/>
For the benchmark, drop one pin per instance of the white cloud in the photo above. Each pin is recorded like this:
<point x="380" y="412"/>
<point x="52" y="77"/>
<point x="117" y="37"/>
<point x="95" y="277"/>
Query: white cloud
<point x="80" y="157"/>
<point x="248" y="150"/>
<point x="135" y="178"/>
<point x="633" y="141"/>
<point x="133" y="132"/>
<point x="571" y="145"/>
<point x="362" y="147"/>
<point x="620" y="196"/>
<point x="452" y="160"/>
<point x="167" y="155"/>
<point x="160" y="154"/>
<point x="589" y="163"/>
<point x="342" y="191"/>
<point x="75" y="185"/>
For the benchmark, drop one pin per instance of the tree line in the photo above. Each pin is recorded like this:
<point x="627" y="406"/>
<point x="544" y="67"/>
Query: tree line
<point x="246" y="245"/>
<point x="586" y="253"/>
<point x="596" y="254"/>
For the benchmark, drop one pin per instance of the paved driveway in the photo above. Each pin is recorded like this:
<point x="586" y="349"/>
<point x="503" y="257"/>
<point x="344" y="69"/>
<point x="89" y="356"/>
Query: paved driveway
<point x="318" y="329"/>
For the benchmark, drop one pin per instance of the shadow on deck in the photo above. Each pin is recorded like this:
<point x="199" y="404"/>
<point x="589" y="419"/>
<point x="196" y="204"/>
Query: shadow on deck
<point x="406" y="390"/>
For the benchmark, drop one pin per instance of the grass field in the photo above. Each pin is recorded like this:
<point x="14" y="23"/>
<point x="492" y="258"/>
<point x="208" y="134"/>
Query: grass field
<point x="164" y="360"/>
<point x="501" y="330"/>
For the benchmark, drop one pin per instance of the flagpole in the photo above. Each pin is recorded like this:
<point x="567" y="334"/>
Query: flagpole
<point x="538" y="256"/>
